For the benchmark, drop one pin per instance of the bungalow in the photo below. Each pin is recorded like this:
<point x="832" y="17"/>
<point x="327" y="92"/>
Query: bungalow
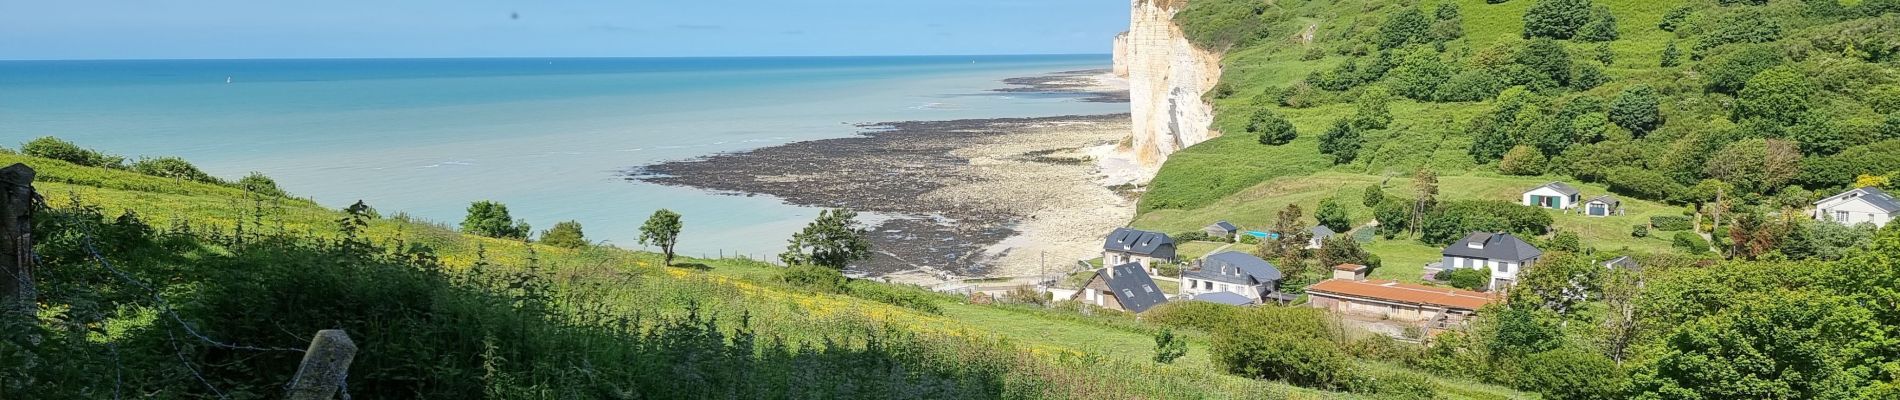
<point x="1503" y="254"/>
<point x="1392" y="300"/>
<point x="1555" y="195"/>
<point x="1126" y="245"/>
<point x="1125" y="287"/>
<point x="1234" y="272"/>
<point x="1223" y="230"/>
<point x="1320" y="233"/>
<point x="1603" y="206"/>
<point x="1863" y="205"/>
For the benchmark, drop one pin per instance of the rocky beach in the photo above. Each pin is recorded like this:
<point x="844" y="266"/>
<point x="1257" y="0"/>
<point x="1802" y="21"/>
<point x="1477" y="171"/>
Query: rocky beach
<point x="950" y="199"/>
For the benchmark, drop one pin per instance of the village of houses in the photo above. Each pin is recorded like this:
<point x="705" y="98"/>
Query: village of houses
<point x="1128" y="276"/>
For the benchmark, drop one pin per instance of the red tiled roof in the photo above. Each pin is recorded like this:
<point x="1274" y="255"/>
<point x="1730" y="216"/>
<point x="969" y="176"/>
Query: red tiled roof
<point x="1393" y="291"/>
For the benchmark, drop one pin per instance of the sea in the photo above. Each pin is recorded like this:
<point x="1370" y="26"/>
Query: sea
<point x="551" y="138"/>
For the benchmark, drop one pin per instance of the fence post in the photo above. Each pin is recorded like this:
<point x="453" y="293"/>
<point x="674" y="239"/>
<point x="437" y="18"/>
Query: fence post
<point x="16" y="239"/>
<point x="325" y="365"/>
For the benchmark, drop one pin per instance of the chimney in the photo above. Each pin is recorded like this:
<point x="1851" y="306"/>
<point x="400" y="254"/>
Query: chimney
<point x="1351" y="272"/>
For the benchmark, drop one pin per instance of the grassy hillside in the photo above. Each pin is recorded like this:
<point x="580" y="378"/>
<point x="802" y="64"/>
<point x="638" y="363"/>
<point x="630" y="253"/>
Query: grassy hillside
<point x="441" y="314"/>
<point x="1851" y="107"/>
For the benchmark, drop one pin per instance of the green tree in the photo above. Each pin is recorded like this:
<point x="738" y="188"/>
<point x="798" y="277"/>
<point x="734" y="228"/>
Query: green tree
<point x="1792" y="345"/>
<point x="1289" y="249"/>
<point x="1333" y="216"/>
<point x="1638" y="108"/>
<point x="1756" y="165"/>
<point x="1546" y="61"/>
<point x="1271" y="128"/>
<point x="1404" y="27"/>
<point x="1556" y="19"/>
<point x="1168" y="347"/>
<point x="833" y="240"/>
<point x="1372" y="196"/>
<point x="1471" y="84"/>
<point x="256" y="182"/>
<point x="1566" y="241"/>
<point x="1729" y="72"/>
<point x="1447" y="22"/>
<point x="58" y="149"/>
<point x="491" y="219"/>
<point x="1342" y="141"/>
<point x="1601" y="28"/>
<point x="1574" y="374"/>
<point x="663" y="229"/>
<point x="1670" y="56"/>
<point x="1523" y="160"/>
<point x="1394" y="216"/>
<point x="1675" y="18"/>
<point x="565" y="234"/>
<point x="1605" y="54"/>
<point x="1779" y="94"/>
<point x="1419" y="75"/>
<point x="1343" y="249"/>
<point x="1372" y="110"/>
<point x="1889" y="129"/>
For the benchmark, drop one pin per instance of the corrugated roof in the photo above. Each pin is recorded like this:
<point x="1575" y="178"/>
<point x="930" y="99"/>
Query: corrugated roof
<point x="1560" y="187"/>
<point x="1404" y="293"/>
<point x="1496" y="246"/>
<point x="1132" y="287"/>
<point x="1235" y="267"/>
<point x="1607" y="199"/>
<point x="1127" y="240"/>
<point x="1224" y="225"/>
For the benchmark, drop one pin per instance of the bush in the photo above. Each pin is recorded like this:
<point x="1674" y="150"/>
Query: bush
<point x="1639" y="231"/>
<point x="491" y="219"/>
<point x="1398" y="384"/>
<point x="1729" y="72"/>
<point x="1289" y="344"/>
<point x="1601" y="28"/>
<point x="1546" y="64"/>
<point x="1691" y="242"/>
<point x="1465" y="278"/>
<point x="1579" y="374"/>
<point x="174" y="168"/>
<point x="1641" y="183"/>
<point x="1671" y="223"/>
<point x="1406" y="26"/>
<point x="566" y="234"/>
<point x="1778" y="94"/>
<point x="1674" y="18"/>
<point x="58" y="149"/>
<point x="902" y="296"/>
<point x="1523" y="160"/>
<point x="1168" y="347"/>
<point x="1556" y="19"/>
<point x="256" y="182"/>
<point x="1371" y="110"/>
<point x="1638" y="109"/>
<point x="1272" y="129"/>
<point x="1670" y="56"/>
<point x="813" y="278"/>
<point x="1191" y="236"/>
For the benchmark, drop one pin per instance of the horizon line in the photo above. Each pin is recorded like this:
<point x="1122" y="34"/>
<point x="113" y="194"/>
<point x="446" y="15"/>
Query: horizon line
<point x="545" y="57"/>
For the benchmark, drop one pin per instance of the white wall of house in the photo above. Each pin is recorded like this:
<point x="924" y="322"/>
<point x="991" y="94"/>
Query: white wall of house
<point x="1113" y="258"/>
<point x="1590" y="207"/>
<point x="1503" y="273"/>
<point x="1202" y="286"/>
<point x="1564" y="201"/>
<point x="1851" y="212"/>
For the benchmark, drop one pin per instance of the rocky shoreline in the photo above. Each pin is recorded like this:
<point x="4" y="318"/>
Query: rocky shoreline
<point x="983" y="197"/>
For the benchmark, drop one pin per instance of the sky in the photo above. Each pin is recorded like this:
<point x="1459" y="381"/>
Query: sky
<point x="229" y="29"/>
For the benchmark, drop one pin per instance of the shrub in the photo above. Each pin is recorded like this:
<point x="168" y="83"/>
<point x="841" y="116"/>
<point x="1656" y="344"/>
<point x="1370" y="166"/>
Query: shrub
<point x="1419" y="75"/>
<point x="1523" y="160"/>
<point x="1372" y="111"/>
<point x="1671" y="223"/>
<point x="1691" y="242"/>
<point x="1556" y="19"/>
<point x="174" y="168"/>
<point x="1741" y="26"/>
<point x="1588" y="76"/>
<point x="1333" y="216"/>
<point x="58" y="149"/>
<point x="1639" y="231"/>
<point x="1674" y="18"/>
<point x="1397" y="385"/>
<point x="1168" y="347"/>
<point x="1471" y="84"/>
<point x="1289" y="344"/>
<point x="813" y="278"/>
<point x="1779" y="94"/>
<point x="566" y="234"/>
<point x="1567" y="373"/>
<point x="1465" y="278"/>
<point x="1406" y="26"/>
<point x="1372" y="196"/>
<point x="1342" y="142"/>
<point x="1638" y="108"/>
<point x="1670" y="56"/>
<point x="1601" y="28"/>
<point x="1272" y="129"/>
<point x="1729" y="72"/>
<point x="256" y="182"/>
<point x="1546" y="63"/>
<point x="491" y="219"/>
<point x="1641" y="183"/>
<point x="898" y="295"/>
<point x="1026" y="295"/>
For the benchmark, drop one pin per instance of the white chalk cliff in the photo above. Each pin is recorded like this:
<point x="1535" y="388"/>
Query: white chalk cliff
<point x="1167" y="76"/>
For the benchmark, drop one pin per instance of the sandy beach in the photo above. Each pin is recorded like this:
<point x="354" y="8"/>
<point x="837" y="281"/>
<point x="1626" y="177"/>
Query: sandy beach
<point x="951" y="199"/>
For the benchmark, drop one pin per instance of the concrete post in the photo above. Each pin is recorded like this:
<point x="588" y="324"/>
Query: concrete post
<point x="325" y="365"/>
<point x="17" y="293"/>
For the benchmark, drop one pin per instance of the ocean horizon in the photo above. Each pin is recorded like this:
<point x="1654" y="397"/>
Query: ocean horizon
<point x="550" y="137"/>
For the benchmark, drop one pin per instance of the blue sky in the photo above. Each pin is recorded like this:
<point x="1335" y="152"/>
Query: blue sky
<point x="146" y="29"/>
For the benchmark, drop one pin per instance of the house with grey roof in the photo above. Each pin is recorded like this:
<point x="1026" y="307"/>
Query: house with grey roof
<point x="1319" y="235"/>
<point x="1234" y="272"/>
<point x="1859" y="206"/>
<point x="1602" y="206"/>
<point x="1228" y="298"/>
<point x="1501" y="253"/>
<point x="1554" y="195"/>
<point x="1224" y="230"/>
<point x="1128" y="245"/>
<point x="1125" y="287"/>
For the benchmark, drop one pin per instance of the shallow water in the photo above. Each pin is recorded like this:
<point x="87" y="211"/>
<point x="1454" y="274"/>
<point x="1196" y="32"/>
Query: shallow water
<point x="548" y="137"/>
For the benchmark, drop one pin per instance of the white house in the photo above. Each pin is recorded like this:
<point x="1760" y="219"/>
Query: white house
<point x="1863" y="205"/>
<point x="1555" y="195"/>
<point x="1503" y="254"/>
<point x="1320" y="233"/>
<point x="1603" y="206"/>
<point x="1233" y="272"/>
<point x="1126" y="245"/>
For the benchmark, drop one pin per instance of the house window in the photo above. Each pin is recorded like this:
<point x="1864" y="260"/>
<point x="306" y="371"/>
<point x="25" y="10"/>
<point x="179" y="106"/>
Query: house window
<point x="1840" y="216"/>
<point x="1128" y="293"/>
<point x="1150" y="289"/>
<point x="1504" y="267"/>
<point x="1209" y="285"/>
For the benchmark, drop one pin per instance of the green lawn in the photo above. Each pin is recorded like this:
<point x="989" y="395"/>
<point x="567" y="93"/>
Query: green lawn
<point x="1198" y="249"/>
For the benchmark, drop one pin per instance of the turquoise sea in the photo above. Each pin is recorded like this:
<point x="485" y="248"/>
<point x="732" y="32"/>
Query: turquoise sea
<point x="548" y="137"/>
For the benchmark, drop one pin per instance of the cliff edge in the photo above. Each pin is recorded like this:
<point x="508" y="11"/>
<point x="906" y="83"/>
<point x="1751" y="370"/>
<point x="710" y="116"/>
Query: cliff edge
<point x="1167" y="76"/>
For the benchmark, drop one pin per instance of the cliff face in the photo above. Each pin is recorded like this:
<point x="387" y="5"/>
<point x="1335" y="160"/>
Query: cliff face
<point x="1167" y="76"/>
